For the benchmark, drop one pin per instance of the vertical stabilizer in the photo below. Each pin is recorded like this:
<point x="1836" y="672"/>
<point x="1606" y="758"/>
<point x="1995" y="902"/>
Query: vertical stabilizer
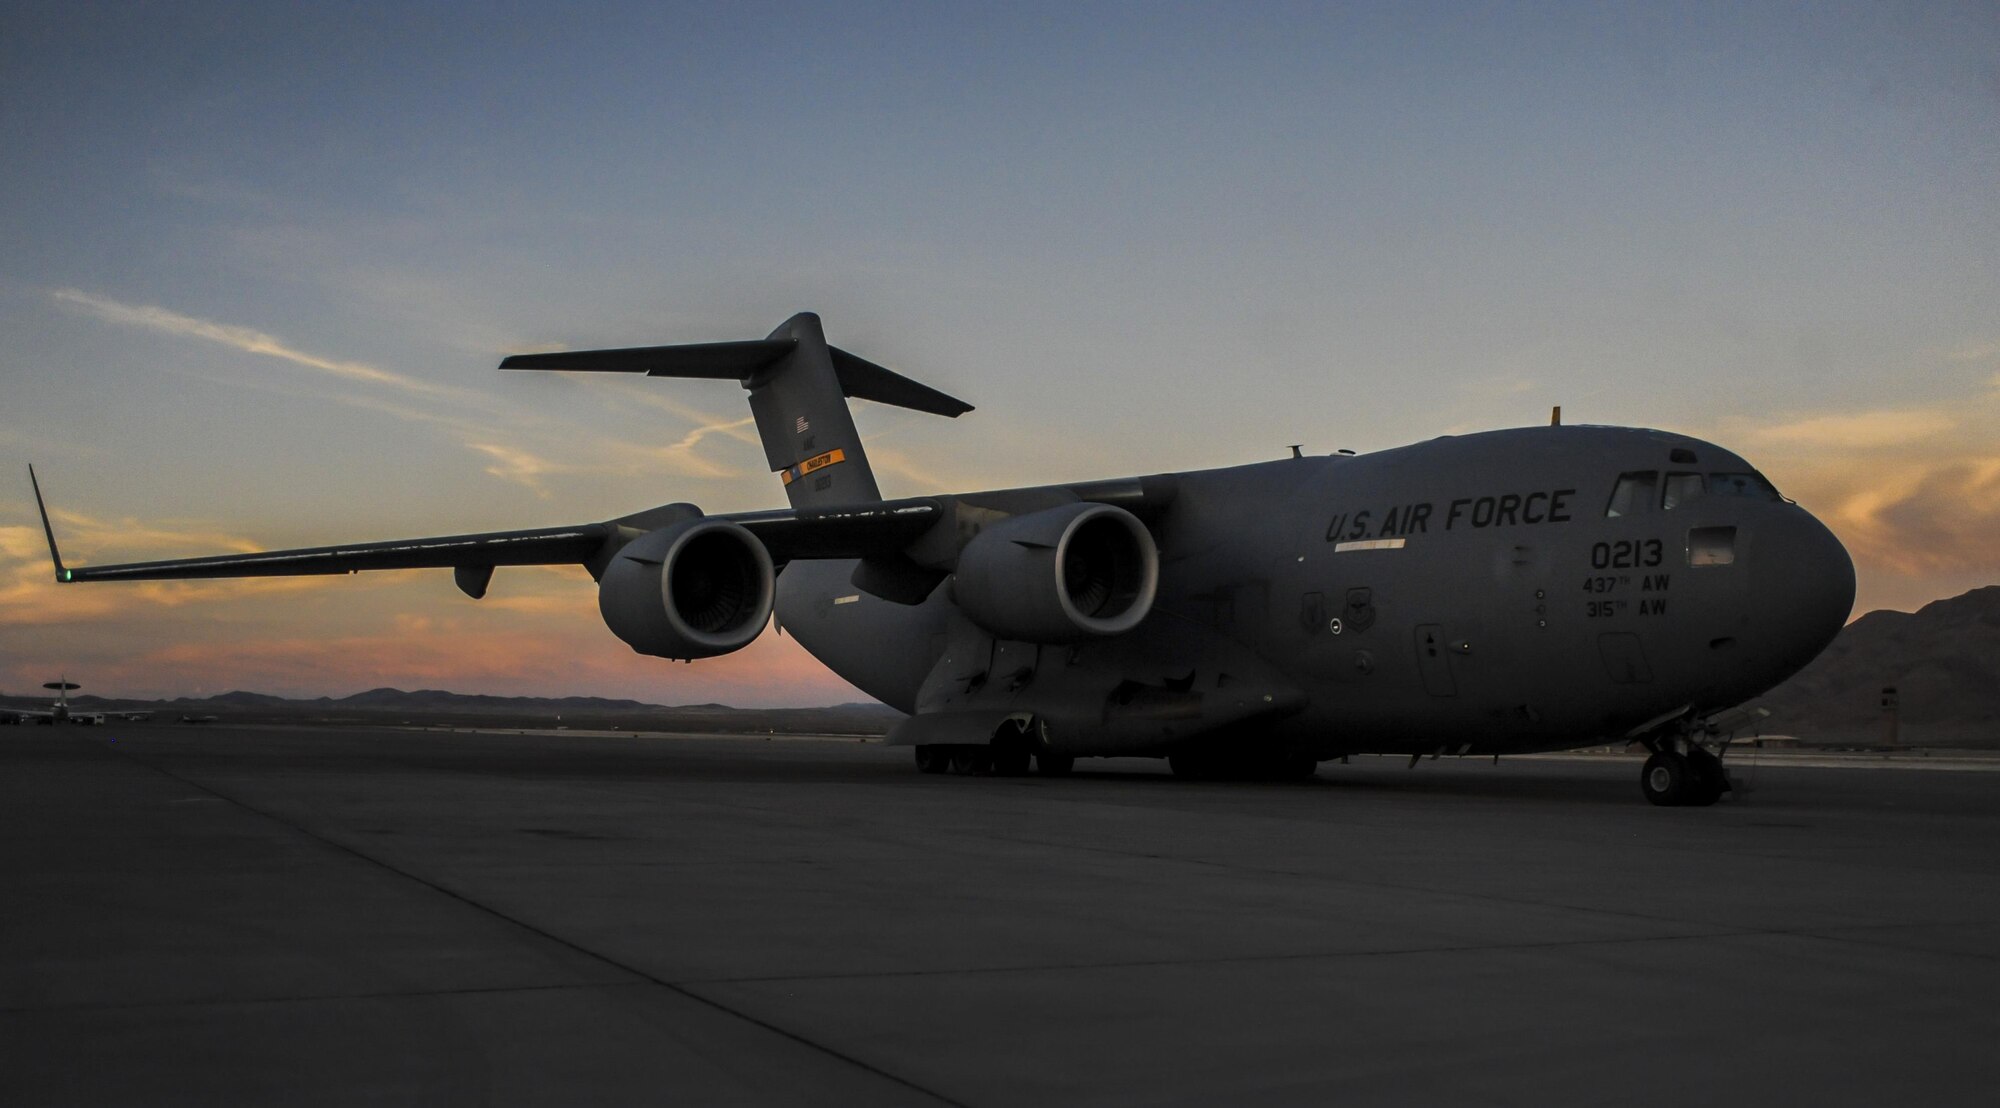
<point x="798" y="391"/>
<point x="802" y="417"/>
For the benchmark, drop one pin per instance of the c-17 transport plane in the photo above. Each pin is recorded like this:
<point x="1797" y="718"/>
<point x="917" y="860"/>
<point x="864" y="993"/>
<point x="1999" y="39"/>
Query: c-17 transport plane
<point x="1520" y="590"/>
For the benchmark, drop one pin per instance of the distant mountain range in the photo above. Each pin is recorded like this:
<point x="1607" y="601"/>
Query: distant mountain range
<point x="436" y="706"/>
<point x="1943" y="661"/>
<point x="421" y="699"/>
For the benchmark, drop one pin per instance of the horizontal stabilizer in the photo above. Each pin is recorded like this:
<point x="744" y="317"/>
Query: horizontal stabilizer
<point x="740" y="361"/>
<point x="864" y="380"/>
<point x="719" y="361"/>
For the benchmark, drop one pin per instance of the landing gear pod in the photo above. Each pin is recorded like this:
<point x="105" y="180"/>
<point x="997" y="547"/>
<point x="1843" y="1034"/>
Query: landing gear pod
<point x="1059" y="575"/>
<point x="695" y="589"/>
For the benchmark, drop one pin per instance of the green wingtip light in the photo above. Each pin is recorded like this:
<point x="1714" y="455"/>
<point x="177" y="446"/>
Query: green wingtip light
<point x="65" y="576"/>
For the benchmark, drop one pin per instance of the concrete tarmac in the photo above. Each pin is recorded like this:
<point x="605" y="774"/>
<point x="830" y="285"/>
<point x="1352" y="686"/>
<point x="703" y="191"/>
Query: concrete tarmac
<point x="312" y="916"/>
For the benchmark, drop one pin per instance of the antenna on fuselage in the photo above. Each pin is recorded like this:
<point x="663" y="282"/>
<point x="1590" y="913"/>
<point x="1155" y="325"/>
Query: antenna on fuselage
<point x="1556" y="416"/>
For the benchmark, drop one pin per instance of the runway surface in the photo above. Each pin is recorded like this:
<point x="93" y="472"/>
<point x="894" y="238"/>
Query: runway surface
<point x="231" y="915"/>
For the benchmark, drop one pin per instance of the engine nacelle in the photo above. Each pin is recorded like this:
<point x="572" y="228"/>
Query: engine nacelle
<point x="1059" y="575"/>
<point x="694" y="589"/>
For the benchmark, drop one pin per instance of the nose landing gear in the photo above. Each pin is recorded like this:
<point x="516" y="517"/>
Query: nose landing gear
<point x="1685" y="770"/>
<point x="1694" y="779"/>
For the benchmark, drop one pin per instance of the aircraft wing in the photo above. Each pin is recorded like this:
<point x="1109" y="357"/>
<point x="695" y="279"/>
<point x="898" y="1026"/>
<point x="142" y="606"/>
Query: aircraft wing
<point x="860" y="531"/>
<point x="789" y="533"/>
<point x="548" y="546"/>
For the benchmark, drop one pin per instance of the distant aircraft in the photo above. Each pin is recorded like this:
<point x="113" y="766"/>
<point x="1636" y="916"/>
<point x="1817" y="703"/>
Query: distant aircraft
<point x="61" y="712"/>
<point x="1532" y="589"/>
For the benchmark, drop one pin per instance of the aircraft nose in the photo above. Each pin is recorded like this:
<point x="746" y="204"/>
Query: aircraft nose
<point x="1803" y="581"/>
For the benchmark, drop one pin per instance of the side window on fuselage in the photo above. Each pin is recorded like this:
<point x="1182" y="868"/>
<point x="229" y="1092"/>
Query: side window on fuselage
<point x="1633" y="494"/>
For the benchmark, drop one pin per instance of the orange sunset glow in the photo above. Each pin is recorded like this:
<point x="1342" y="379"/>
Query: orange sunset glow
<point x="261" y="272"/>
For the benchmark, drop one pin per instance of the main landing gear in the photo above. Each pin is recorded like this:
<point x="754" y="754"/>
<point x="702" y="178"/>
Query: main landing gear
<point x="1013" y="748"/>
<point x="970" y="760"/>
<point x="1683" y="773"/>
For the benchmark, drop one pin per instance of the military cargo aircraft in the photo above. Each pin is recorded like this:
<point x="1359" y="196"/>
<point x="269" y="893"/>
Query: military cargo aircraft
<point x="1521" y="590"/>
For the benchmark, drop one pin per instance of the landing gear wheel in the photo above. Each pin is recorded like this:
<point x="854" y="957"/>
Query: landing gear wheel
<point x="932" y="758"/>
<point x="1054" y="765"/>
<point x="1667" y="779"/>
<point x="970" y="761"/>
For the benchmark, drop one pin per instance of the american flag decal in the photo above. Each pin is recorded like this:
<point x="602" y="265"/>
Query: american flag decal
<point x="803" y="425"/>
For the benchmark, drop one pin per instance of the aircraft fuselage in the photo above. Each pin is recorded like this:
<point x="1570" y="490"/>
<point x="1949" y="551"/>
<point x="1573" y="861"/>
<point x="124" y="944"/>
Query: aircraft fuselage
<point x="1509" y="591"/>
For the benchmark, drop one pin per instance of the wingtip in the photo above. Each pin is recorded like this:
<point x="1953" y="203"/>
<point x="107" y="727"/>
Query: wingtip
<point x="63" y="576"/>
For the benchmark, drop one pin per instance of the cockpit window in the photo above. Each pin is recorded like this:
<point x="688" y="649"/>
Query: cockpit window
<point x="1678" y="489"/>
<point x="1751" y="485"/>
<point x="1633" y="493"/>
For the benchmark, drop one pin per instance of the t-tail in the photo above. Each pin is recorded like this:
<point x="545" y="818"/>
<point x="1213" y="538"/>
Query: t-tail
<point x="798" y="389"/>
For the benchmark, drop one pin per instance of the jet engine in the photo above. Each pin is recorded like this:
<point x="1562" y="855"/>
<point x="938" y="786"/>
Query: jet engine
<point x="695" y="589"/>
<point x="1059" y="575"/>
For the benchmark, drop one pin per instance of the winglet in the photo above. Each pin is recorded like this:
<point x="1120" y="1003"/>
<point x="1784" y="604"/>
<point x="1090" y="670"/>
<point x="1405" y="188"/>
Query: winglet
<point x="62" y="575"/>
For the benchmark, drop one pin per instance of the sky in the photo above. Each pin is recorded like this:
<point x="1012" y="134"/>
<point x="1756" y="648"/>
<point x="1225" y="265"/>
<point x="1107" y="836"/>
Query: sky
<point x="258" y="264"/>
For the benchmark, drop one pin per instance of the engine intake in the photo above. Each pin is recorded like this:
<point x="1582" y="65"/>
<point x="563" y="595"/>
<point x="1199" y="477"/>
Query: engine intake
<point x="694" y="589"/>
<point x="1059" y="575"/>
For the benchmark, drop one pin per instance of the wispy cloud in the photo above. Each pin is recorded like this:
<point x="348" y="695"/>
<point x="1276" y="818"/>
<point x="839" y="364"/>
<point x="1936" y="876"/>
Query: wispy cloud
<point x="1940" y="518"/>
<point x="706" y="422"/>
<point x="240" y="338"/>
<point x="1913" y="492"/>
<point x="155" y="539"/>
<point x="734" y="428"/>
<point x="1862" y="430"/>
<point x="520" y="466"/>
<point x="681" y="457"/>
<point x="916" y="478"/>
<point x="468" y="417"/>
<point x="30" y="595"/>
